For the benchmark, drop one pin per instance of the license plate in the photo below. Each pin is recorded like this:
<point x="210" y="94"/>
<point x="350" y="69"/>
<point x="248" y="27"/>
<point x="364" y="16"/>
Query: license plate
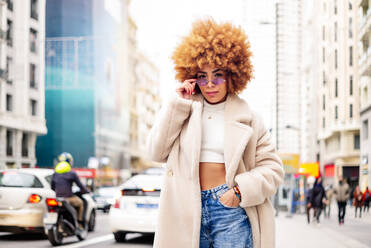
<point x="147" y="205"/>
<point x="50" y="218"/>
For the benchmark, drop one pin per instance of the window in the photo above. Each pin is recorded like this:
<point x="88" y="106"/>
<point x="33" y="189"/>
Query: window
<point x="19" y="180"/>
<point x="323" y="102"/>
<point x="323" y="55"/>
<point x="34" y="13"/>
<point x="33" y="104"/>
<point x="323" y="122"/>
<point x="356" y="142"/>
<point x="33" y="76"/>
<point x="323" y="33"/>
<point x="324" y="77"/>
<point x="9" y="65"/>
<point x="365" y="129"/>
<point x="9" y="33"/>
<point x="350" y="28"/>
<point x="25" y="145"/>
<point x="336" y="31"/>
<point x="33" y="40"/>
<point x="336" y="58"/>
<point x="351" y="56"/>
<point x="335" y="7"/>
<point x="350" y="5"/>
<point x="336" y="112"/>
<point x="336" y="87"/>
<point x="10" y="4"/>
<point x="9" y="102"/>
<point x="351" y="110"/>
<point x="351" y="85"/>
<point x="9" y="143"/>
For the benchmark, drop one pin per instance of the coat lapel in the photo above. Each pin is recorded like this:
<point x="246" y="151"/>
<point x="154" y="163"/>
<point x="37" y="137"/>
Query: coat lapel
<point x="237" y="132"/>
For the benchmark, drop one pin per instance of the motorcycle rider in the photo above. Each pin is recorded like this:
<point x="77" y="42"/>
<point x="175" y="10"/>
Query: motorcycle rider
<point x="62" y="181"/>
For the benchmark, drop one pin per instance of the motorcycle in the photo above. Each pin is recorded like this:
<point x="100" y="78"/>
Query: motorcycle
<point x="60" y="221"/>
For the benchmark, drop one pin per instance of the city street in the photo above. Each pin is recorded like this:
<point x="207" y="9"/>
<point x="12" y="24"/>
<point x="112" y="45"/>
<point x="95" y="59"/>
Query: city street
<point x="295" y="232"/>
<point x="291" y="232"/>
<point x="101" y="237"/>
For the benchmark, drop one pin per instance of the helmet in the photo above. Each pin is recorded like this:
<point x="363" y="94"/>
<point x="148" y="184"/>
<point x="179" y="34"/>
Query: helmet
<point x="66" y="157"/>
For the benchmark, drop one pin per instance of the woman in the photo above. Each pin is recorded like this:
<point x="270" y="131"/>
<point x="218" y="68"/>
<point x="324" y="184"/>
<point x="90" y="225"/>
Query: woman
<point x="366" y="200"/>
<point x="318" y="198"/>
<point x="357" y="201"/>
<point x="222" y="166"/>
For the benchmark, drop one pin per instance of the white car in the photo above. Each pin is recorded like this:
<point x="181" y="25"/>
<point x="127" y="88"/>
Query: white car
<point x="22" y="199"/>
<point x="136" y="210"/>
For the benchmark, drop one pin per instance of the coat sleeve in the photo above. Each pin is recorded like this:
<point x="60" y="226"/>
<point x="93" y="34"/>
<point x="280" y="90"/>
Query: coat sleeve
<point x="167" y="127"/>
<point x="261" y="182"/>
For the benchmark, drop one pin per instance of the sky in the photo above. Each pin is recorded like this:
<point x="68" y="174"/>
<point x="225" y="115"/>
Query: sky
<point x="162" y="23"/>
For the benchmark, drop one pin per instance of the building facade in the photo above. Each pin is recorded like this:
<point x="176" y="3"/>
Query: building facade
<point x="364" y="73"/>
<point x="338" y="95"/>
<point x="147" y="103"/>
<point x="22" y="97"/>
<point x="87" y="82"/>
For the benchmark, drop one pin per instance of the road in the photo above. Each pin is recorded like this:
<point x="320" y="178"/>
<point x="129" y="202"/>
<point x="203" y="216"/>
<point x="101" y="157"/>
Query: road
<point x="101" y="237"/>
<point x="291" y="232"/>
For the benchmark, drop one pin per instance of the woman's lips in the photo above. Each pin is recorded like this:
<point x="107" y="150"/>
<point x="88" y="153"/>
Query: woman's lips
<point x="212" y="93"/>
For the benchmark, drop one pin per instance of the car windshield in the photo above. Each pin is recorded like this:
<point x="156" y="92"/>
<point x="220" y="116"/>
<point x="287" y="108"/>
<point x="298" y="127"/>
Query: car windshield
<point x="21" y="180"/>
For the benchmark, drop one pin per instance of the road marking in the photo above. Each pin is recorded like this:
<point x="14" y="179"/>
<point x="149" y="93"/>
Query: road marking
<point x="90" y="241"/>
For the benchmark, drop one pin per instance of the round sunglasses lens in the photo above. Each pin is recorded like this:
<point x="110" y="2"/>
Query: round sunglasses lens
<point x="201" y="82"/>
<point x="217" y="81"/>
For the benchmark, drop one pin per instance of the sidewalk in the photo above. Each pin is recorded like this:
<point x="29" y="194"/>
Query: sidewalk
<point x="295" y="232"/>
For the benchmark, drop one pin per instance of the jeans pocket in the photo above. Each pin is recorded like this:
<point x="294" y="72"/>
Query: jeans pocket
<point x="225" y="206"/>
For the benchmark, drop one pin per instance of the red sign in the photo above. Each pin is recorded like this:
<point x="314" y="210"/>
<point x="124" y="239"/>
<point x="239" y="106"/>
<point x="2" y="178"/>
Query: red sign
<point x="85" y="172"/>
<point x="329" y="170"/>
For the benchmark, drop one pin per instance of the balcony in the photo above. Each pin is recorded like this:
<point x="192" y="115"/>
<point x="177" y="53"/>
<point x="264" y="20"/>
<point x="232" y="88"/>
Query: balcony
<point x="365" y="63"/>
<point x="365" y="24"/>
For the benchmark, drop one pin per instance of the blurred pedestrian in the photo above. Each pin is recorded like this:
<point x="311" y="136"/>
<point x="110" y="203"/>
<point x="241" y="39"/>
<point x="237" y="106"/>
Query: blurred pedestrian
<point x="366" y="200"/>
<point x="357" y="201"/>
<point x="222" y="165"/>
<point x="327" y="207"/>
<point x="308" y="203"/>
<point x="341" y="192"/>
<point x="318" y="198"/>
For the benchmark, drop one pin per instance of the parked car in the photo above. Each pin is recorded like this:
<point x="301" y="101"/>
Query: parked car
<point x="22" y="199"/>
<point x="136" y="209"/>
<point x="105" y="197"/>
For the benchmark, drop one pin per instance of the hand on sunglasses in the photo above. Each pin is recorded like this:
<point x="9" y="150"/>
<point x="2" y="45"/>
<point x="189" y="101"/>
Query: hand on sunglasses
<point x="186" y="89"/>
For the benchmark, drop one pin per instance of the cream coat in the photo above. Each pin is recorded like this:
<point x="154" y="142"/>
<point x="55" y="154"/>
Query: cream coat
<point x="250" y="161"/>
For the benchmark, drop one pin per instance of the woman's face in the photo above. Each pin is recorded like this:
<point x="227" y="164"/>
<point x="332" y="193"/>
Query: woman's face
<point x="212" y="83"/>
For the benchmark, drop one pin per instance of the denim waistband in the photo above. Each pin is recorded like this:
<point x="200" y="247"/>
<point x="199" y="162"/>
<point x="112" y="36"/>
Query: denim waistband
<point x="217" y="191"/>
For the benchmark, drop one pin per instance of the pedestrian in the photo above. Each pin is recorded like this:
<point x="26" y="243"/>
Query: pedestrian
<point x="357" y="201"/>
<point x="366" y="200"/>
<point x="222" y="165"/>
<point x="318" y="198"/>
<point x="329" y="194"/>
<point x="341" y="192"/>
<point x="308" y="203"/>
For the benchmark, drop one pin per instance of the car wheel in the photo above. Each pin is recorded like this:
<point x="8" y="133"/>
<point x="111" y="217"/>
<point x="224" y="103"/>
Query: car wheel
<point x="120" y="236"/>
<point x="91" y="224"/>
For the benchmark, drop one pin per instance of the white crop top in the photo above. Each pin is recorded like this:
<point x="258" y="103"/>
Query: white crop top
<point x="212" y="143"/>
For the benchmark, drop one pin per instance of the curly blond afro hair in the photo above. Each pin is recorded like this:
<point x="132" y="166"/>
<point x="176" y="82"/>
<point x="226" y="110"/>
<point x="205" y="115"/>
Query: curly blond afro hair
<point x="218" y="45"/>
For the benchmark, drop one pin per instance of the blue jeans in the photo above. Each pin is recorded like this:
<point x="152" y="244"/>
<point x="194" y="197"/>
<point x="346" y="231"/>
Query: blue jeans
<point x="222" y="226"/>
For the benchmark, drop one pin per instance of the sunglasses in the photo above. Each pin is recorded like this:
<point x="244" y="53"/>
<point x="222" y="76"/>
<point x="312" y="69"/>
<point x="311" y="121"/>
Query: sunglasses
<point x="215" y="81"/>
